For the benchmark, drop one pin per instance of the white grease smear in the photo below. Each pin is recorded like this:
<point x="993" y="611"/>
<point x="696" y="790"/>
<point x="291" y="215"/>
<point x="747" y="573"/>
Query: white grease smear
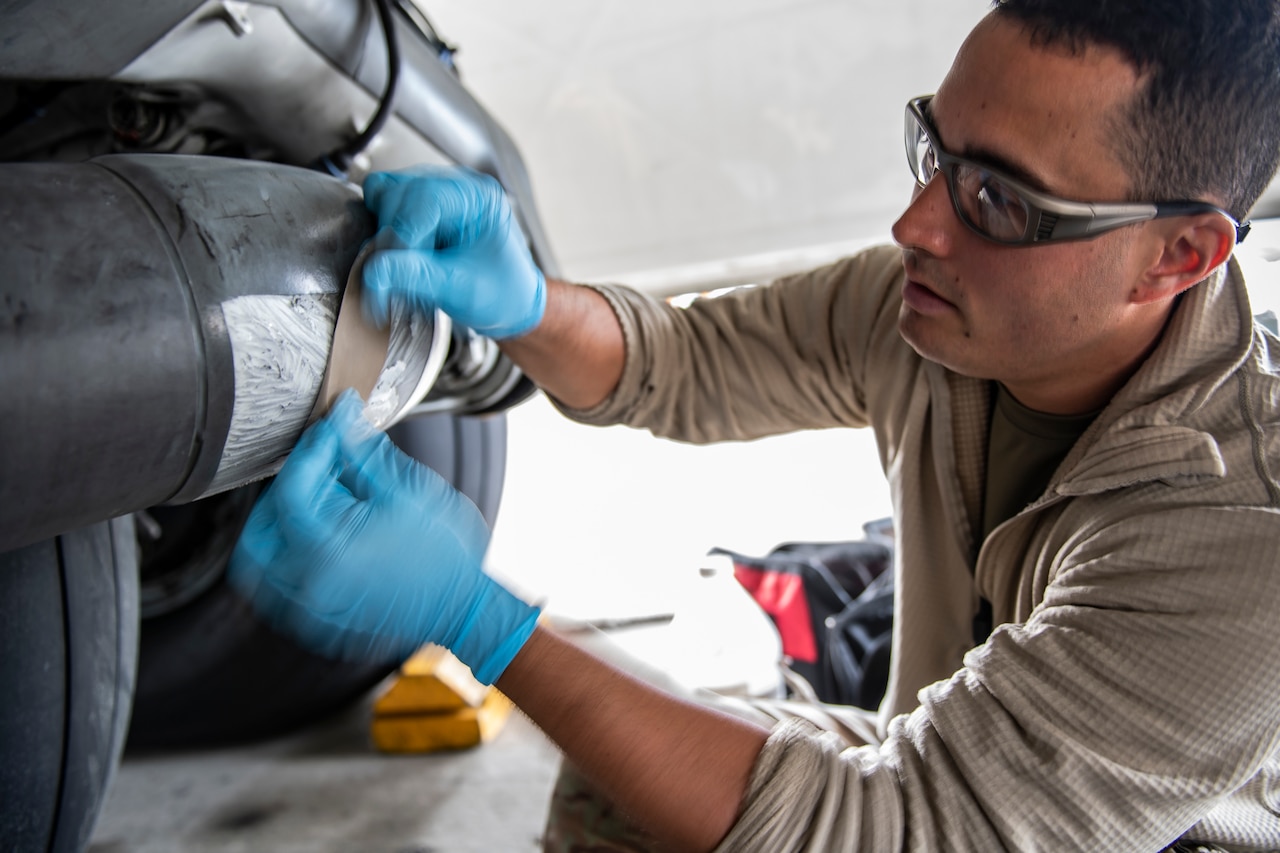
<point x="408" y="354"/>
<point x="280" y="346"/>
<point x="384" y="399"/>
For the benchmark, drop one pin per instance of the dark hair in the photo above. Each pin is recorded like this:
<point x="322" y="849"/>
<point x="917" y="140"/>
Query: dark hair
<point x="1208" y="119"/>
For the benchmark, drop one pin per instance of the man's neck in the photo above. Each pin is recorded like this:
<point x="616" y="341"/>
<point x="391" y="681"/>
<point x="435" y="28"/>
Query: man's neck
<point x="1090" y="387"/>
<point x="1089" y="397"/>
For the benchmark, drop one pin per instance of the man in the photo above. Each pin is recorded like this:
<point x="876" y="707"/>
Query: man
<point x="1075" y="411"/>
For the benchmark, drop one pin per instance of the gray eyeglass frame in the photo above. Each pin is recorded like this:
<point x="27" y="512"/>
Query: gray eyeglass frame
<point x="1049" y="219"/>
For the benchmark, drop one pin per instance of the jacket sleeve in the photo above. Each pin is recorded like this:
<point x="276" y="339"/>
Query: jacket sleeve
<point x="1137" y="702"/>
<point x="759" y="361"/>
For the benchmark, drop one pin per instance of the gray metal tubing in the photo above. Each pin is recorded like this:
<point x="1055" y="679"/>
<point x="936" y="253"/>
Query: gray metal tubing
<point x="430" y="98"/>
<point x="74" y="40"/>
<point x="336" y="28"/>
<point x="115" y="361"/>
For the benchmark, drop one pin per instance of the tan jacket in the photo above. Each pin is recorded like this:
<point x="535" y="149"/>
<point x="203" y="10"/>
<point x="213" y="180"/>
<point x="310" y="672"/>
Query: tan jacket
<point x="1132" y="690"/>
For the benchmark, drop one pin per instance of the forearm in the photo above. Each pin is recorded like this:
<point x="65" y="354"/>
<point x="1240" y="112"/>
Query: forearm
<point x="577" y="352"/>
<point x="679" y="769"/>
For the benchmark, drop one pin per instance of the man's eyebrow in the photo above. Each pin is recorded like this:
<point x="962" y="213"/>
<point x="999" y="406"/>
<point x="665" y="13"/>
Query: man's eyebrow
<point x="987" y="157"/>
<point x="994" y="159"/>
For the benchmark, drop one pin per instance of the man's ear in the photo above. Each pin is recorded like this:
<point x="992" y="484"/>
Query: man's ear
<point x="1190" y="248"/>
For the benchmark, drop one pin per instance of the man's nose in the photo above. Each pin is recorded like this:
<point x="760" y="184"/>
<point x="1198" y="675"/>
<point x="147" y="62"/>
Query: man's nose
<point x="929" y="223"/>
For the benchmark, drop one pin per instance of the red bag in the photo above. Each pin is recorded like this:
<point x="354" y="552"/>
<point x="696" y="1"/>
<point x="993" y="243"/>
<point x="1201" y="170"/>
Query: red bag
<point x="832" y="603"/>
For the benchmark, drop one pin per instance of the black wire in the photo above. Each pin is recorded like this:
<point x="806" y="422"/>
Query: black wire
<point x="443" y="49"/>
<point x="342" y="157"/>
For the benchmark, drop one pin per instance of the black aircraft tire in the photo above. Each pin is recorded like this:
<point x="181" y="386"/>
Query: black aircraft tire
<point x="69" y="628"/>
<point x="209" y="672"/>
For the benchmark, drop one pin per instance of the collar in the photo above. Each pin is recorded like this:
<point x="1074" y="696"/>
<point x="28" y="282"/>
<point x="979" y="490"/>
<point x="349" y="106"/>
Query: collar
<point x="1207" y="339"/>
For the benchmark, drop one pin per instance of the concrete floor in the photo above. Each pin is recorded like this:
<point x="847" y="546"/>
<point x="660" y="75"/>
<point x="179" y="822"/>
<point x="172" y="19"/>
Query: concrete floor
<point x="326" y="789"/>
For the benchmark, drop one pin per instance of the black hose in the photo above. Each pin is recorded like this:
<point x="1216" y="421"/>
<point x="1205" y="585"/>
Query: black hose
<point x="29" y="104"/>
<point x="339" y="161"/>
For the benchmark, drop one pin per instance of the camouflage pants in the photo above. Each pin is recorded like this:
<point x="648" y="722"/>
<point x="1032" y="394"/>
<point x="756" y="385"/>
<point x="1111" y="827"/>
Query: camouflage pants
<point x="581" y="820"/>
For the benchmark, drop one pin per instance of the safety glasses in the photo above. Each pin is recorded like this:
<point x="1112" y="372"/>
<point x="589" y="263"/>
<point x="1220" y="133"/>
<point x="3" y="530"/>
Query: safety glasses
<point x="1008" y="211"/>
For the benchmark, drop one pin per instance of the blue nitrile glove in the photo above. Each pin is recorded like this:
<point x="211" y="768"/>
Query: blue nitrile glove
<point x="358" y="551"/>
<point x="447" y="239"/>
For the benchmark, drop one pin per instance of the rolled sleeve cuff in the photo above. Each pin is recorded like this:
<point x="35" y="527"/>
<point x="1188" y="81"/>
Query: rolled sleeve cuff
<point x="629" y="307"/>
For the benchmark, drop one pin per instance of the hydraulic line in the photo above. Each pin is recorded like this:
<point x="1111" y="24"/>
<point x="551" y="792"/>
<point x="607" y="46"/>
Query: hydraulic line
<point x="338" y="162"/>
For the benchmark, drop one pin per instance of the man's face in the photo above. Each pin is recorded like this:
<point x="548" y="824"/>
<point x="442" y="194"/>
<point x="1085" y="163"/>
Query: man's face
<point x="1042" y="319"/>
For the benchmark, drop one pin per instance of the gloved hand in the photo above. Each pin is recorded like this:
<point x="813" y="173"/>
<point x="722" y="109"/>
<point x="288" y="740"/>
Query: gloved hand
<point x="447" y="239"/>
<point x="358" y="551"/>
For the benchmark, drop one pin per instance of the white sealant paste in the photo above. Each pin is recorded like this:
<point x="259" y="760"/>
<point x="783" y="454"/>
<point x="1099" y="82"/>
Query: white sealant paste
<point x="280" y="346"/>
<point x="384" y="400"/>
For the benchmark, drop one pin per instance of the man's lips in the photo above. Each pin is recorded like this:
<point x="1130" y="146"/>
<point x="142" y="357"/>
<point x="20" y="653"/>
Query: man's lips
<point x="919" y="296"/>
<point x="923" y="299"/>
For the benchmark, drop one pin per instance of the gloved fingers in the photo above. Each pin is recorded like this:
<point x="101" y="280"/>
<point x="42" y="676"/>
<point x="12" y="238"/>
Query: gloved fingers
<point x="376" y="186"/>
<point x="272" y="602"/>
<point x="448" y="239"/>
<point x="493" y="303"/>
<point x="410" y="218"/>
<point x="327" y="637"/>
<point x="274" y="554"/>
<point x="486" y="300"/>
<point x="330" y="614"/>
<point x="265" y="536"/>
<point x="384" y="191"/>
<point x="394" y="277"/>
<point x="359" y="443"/>
<point x="429" y="207"/>
<point x="324" y="634"/>
<point x="346" y="418"/>
<point x="308" y="496"/>
<point x="257" y="548"/>
<point x="380" y="471"/>
<point x="381" y="189"/>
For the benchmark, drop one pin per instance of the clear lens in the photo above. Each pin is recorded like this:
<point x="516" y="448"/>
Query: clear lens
<point x="919" y="150"/>
<point x="985" y="202"/>
<point x="988" y="203"/>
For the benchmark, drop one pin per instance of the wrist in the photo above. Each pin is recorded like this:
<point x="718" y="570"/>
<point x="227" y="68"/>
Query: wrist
<point x="494" y="630"/>
<point x="533" y="315"/>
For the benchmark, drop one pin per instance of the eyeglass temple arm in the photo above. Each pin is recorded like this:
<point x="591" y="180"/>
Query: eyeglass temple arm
<point x="1052" y="226"/>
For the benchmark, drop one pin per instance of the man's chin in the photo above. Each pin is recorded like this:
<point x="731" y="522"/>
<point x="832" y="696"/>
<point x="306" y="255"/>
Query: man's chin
<point x="919" y="333"/>
<point x="929" y="342"/>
